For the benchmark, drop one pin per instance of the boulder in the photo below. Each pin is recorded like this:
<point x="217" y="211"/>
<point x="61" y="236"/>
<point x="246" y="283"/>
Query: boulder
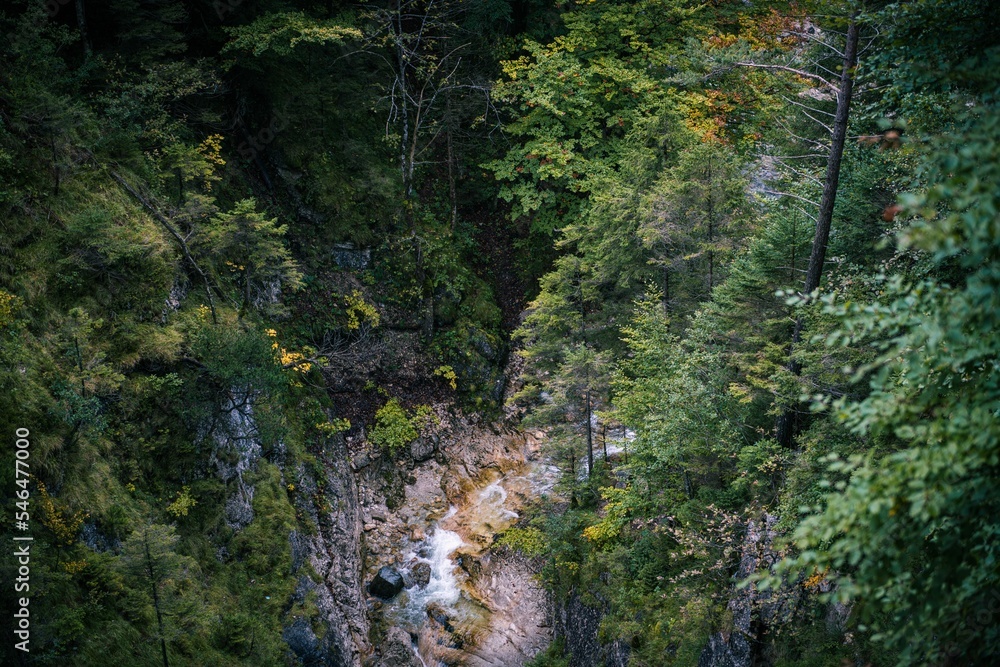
<point x="421" y="574"/>
<point x="386" y="584"/>
<point x="397" y="650"/>
<point x="360" y="461"/>
<point x="422" y="449"/>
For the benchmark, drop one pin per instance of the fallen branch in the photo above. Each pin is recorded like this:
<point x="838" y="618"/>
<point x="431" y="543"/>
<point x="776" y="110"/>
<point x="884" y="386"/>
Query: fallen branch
<point x="162" y="219"/>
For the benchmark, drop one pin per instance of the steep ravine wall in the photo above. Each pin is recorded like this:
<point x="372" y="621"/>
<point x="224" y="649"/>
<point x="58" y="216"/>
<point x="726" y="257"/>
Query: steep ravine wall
<point x="326" y="561"/>
<point x="577" y="624"/>
<point x="329" y="498"/>
<point x="368" y="510"/>
<point x="735" y="648"/>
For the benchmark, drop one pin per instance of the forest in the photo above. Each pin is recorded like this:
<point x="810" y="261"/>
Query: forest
<point x="717" y="280"/>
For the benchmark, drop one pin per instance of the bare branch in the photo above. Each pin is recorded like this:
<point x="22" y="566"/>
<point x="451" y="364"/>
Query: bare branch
<point x="798" y="172"/>
<point x="812" y="37"/>
<point x="818" y="144"/>
<point x="804" y="106"/>
<point x="802" y="73"/>
<point x="793" y="196"/>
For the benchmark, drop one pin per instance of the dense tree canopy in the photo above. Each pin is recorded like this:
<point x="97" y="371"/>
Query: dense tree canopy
<point x="748" y="252"/>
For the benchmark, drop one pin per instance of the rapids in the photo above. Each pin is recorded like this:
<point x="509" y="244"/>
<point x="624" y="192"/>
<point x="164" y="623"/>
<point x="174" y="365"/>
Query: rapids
<point x="472" y="602"/>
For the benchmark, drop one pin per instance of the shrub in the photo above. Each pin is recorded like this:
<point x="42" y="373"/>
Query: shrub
<point x="529" y="541"/>
<point x="393" y="427"/>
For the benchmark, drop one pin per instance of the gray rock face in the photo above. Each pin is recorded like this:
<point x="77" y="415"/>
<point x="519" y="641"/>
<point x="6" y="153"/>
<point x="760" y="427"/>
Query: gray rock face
<point x="387" y="583"/>
<point x="303" y="642"/>
<point x="299" y="548"/>
<point x="173" y="301"/>
<point x="239" y="507"/>
<point x="579" y="625"/>
<point x="360" y="462"/>
<point x="397" y="650"/>
<point x="722" y="652"/>
<point x="520" y="625"/>
<point x="333" y="552"/>
<point x="735" y="650"/>
<point x="346" y="256"/>
<point x="96" y="540"/>
<point x="422" y="449"/>
<point x="235" y="451"/>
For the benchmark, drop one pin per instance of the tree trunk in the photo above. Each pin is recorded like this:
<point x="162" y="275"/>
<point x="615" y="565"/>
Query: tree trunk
<point x="825" y="217"/>
<point x="81" y="20"/>
<point x="55" y="164"/>
<point x="451" y="170"/>
<point x="666" y="292"/>
<point x="151" y="571"/>
<point x="795" y="241"/>
<point x="162" y="219"/>
<point x="711" y="232"/>
<point x="590" y="439"/>
<point x="572" y="472"/>
<point x="787" y="422"/>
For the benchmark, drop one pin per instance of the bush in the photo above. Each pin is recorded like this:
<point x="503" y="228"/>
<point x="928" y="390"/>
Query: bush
<point x="393" y="427"/>
<point x="529" y="541"/>
<point x="552" y="656"/>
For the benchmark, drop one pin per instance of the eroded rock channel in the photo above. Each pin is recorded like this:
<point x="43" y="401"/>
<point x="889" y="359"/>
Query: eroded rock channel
<point x="458" y="600"/>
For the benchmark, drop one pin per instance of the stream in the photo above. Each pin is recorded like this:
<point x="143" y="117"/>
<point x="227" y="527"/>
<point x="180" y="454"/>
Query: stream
<point x="463" y="605"/>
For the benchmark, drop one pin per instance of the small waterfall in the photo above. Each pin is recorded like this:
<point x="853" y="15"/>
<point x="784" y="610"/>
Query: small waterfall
<point x="447" y="614"/>
<point x="492" y="499"/>
<point x="416" y="652"/>
<point x="442" y="589"/>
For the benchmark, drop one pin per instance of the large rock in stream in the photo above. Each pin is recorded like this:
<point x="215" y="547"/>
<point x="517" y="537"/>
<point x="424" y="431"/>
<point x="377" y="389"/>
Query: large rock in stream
<point x="421" y="574"/>
<point x="387" y="583"/>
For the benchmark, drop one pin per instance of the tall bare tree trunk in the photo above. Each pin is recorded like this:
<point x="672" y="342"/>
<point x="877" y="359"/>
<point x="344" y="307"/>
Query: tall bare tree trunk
<point x="590" y="438"/>
<point x="787" y="423"/>
<point x="81" y="20"/>
<point x="154" y="585"/>
<point x="451" y="169"/>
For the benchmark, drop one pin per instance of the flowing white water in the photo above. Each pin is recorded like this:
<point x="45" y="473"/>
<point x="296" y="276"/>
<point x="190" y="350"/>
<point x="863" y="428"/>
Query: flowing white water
<point x="491" y="501"/>
<point x="447" y="614"/>
<point x="416" y="652"/>
<point x="442" y="589"/>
